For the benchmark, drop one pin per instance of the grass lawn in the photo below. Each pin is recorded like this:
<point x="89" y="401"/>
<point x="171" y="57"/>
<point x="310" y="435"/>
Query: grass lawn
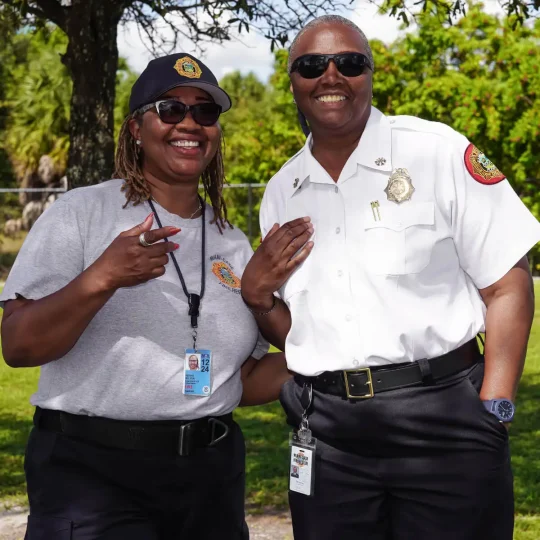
<point x="267" y="435"/>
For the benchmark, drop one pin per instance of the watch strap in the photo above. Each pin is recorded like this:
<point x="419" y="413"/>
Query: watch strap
<point x="491" y="407"/>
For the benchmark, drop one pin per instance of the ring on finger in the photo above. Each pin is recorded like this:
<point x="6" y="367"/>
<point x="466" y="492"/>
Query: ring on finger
<point x="142" y="241"/>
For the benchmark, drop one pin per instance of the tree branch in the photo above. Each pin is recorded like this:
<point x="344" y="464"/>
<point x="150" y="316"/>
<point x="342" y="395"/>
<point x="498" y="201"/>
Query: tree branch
<point x="206" y="20"/>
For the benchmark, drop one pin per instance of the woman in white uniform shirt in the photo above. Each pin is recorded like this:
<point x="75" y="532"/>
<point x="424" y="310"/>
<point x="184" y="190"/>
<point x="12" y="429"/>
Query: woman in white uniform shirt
<point x="419" y="244"/>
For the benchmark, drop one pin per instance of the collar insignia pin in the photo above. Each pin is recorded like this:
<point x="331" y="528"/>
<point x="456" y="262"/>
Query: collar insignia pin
<point x="399" y="188"/>
<point x="380" y="162"/>
<point x="296" y="180"/>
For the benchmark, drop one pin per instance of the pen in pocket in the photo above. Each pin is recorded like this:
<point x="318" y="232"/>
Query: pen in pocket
<point x="375" y="209"/>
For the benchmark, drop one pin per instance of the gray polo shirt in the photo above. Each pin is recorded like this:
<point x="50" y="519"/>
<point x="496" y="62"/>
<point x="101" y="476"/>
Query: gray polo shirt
<point x="129" y="362"/>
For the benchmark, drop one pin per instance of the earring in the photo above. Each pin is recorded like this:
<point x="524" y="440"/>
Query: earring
<point x="138" y="142"/>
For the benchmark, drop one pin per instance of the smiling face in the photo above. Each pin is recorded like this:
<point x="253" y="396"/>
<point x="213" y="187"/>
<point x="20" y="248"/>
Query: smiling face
<point x="193" y="362"/>
<point x="332" y="103"/>
<point x="176" y="152"/>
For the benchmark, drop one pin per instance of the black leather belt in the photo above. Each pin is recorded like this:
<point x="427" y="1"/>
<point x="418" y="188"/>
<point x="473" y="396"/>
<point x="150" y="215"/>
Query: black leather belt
<point x="173" y="437"/>
<point x="364" y="383"/>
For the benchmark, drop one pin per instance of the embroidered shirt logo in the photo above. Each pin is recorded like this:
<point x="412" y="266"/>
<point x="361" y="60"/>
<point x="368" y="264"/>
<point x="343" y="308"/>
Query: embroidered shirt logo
<point x="223" y="270"/>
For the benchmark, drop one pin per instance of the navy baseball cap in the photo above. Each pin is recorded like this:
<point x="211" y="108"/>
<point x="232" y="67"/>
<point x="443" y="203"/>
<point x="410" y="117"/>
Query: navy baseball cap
<point x="168" y="72"/>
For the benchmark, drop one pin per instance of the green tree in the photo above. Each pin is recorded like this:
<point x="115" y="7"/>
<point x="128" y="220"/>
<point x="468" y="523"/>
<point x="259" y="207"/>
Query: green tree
<point x="7" y="174"/>
<point x="479" y="76"/>
<point x="37" y="95"/>
<point x="91" y="57"/>
<point x="261" y="132"/>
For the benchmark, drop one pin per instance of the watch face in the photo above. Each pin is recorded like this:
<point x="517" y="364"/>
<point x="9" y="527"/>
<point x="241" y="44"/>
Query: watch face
<point x="505" y="410"/>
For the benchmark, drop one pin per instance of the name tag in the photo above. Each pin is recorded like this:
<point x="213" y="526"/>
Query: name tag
<point x="197" y="372"/>
<point x="302" y="469"/>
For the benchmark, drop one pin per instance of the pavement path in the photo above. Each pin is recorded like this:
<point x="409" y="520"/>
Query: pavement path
<point x="261" y="527"/>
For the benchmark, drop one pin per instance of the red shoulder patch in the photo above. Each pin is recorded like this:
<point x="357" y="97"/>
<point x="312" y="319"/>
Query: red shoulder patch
<point x="481" y="168"/>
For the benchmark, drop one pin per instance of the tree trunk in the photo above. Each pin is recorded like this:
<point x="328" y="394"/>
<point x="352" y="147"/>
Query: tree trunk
<point x="92" y="58"/>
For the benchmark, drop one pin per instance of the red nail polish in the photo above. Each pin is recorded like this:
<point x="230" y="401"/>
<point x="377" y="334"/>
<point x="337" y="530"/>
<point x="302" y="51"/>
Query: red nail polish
<point x="151" y="214"/>
<point x="176" y="246"/>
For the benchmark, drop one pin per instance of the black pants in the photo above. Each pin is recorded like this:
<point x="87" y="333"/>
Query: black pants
<point x="420" y="463"/>
<point x="82" y="491"/>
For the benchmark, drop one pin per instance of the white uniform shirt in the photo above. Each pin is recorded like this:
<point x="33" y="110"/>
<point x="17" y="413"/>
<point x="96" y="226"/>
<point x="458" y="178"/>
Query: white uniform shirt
<point x="404" y="287"/>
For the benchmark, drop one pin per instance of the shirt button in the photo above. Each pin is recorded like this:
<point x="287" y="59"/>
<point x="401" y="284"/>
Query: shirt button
<point x="356" y="363"/>
<point x="338" y="230"/>
<point x="336" y="189"/>
<point x="348" y="318"/>
<point x="340" y="273"/>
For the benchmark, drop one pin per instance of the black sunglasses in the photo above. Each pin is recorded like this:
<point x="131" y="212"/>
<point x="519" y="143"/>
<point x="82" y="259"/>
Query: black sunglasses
<point x="312" y="66"/>
<point x="171" y="111"/>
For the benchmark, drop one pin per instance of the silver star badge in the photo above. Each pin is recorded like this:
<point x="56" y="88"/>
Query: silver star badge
<point x="380" y="162"/>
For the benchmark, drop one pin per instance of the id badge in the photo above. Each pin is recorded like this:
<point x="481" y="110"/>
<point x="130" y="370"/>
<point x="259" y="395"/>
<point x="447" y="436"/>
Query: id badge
<point x="302" y="469"/>
<point x="197" y="372"/>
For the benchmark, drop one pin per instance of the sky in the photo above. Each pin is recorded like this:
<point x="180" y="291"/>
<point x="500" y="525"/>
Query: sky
<point x="252" y="52"/>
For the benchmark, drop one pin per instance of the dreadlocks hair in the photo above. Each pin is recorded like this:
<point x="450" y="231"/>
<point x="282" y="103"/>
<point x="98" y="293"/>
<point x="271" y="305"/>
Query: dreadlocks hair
<point x="128" y="167"/>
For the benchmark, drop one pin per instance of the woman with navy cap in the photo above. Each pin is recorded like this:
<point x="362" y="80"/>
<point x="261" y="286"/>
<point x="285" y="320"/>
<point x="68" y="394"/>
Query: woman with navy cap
<point x="116" y="292"/>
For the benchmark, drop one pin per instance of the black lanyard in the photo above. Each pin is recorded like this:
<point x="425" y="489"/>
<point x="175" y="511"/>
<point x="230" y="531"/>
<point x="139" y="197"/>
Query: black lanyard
<point x="194" y="300"/>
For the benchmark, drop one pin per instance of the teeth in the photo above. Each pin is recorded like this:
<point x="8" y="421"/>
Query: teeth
<point x="188" y="144"/>
<point x="331" y="99"/>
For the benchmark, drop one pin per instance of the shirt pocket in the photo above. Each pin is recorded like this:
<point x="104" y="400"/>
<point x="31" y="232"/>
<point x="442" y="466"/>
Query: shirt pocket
<point x="400" y="242"/>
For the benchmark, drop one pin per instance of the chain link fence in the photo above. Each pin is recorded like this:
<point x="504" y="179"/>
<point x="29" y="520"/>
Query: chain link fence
<point x="243" y="202"/>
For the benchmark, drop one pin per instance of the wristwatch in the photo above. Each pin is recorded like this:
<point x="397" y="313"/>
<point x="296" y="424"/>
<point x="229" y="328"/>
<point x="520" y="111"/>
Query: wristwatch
<point x="503" y="409"/>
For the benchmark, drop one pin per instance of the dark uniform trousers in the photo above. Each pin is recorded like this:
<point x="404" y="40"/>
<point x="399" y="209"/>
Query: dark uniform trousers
<point x="81" y="491"/>
<point x="417" y="463"/>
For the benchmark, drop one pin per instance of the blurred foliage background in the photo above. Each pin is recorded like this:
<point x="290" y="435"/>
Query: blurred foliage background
<point x="479" y="75"/>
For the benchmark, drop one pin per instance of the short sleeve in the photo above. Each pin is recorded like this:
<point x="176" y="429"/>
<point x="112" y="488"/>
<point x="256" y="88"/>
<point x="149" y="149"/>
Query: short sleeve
<point x="492" y="228"/>
<point x="261" y="348"/>
<point x="264" y="215"/>
<point x="272" y="207"/>
<point x="50" y="258"/>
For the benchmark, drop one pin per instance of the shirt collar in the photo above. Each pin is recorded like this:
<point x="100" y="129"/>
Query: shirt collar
<point x="373" y="151"/>
<point x="375" y="147"/>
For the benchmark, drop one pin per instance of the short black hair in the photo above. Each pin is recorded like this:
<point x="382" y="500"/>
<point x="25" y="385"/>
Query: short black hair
<point x="329" y="19"/>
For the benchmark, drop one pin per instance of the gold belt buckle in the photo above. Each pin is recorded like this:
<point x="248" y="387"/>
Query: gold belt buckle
<point x="369" y="383"/>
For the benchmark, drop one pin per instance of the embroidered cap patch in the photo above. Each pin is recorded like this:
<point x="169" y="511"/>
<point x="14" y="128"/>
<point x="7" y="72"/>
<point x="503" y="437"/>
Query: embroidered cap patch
<point x="481" y="168"/>
<point x="187" y="67"/>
